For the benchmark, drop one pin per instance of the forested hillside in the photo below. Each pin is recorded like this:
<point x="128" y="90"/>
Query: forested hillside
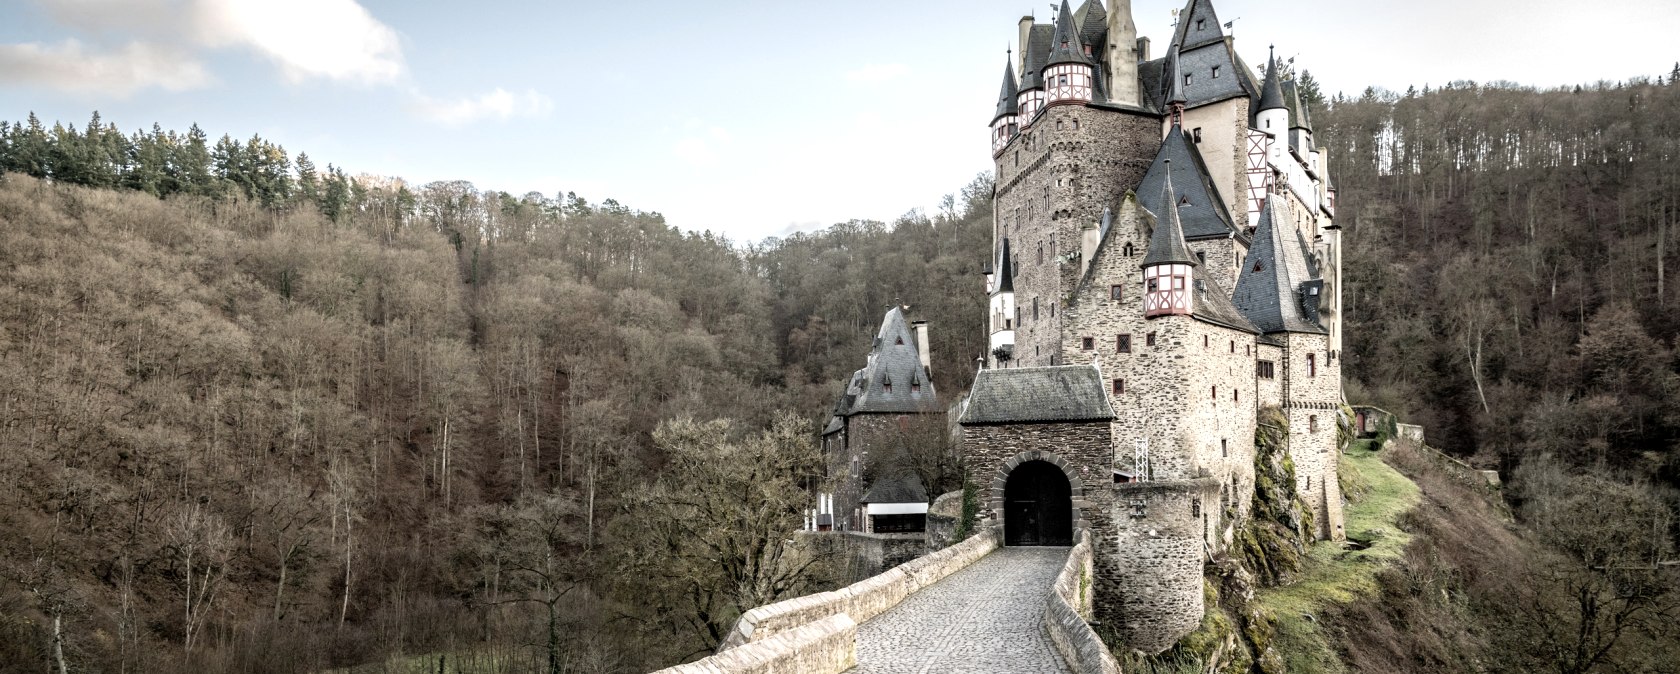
<point x="261" y="416"/>
<point x="277" y="421"/>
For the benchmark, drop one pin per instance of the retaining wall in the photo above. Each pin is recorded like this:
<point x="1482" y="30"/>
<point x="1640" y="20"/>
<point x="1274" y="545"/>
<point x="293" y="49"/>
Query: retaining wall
<point x="1067" y="614"/>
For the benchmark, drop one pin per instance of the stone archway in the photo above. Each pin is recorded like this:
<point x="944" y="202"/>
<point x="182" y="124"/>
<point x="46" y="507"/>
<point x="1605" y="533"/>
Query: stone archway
<point x="1038" y="505"/>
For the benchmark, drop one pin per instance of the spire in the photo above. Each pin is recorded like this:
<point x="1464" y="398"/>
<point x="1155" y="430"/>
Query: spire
<point x="1271" y="93"/>
<point x="1277" y="288"/>
<point x="1065" y="46"/>
<point x="1006" y="271"/>
<point x="1006" y="98"/>
<point x="1166" y="243"/>
<point x="1175" y="89"/>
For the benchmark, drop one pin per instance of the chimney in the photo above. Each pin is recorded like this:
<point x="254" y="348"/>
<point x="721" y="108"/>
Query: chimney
<point x="1021" y="46"/>
<point x="1143" y="49"/>
<point x="922" y="346"/>
<point x="1122" y="56"/>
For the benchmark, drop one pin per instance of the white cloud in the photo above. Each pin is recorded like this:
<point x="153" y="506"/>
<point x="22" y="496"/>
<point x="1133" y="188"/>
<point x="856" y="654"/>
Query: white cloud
<point x="332" y="39"/>
<point x="498" y="104"/>
<point x="71" y="66"/>
<point x="878" y="72"/>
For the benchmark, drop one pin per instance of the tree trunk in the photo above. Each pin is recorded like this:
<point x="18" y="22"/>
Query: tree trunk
<point x="58" y="643"/>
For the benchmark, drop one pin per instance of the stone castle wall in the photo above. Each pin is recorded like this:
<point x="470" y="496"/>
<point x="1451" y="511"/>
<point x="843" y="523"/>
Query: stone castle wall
<point x="1312" y="402"/>
<point x="1054" y="179"/>
<point x="1224" y="149"/>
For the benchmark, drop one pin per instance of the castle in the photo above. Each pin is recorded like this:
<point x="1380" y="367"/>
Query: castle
<point x="1165" y="263"/>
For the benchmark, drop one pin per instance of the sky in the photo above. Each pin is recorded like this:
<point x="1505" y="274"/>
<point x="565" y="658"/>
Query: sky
<point x="752" y="119"/>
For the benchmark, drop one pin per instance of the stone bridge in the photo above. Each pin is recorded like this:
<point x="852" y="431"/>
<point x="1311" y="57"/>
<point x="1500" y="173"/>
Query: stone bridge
<point x="972" y="607"/>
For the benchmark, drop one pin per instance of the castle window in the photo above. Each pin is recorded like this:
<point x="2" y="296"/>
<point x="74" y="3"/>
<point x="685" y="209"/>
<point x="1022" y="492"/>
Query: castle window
<point x="1119" y="386"/>
<point x="1312" y="423"/>
<point x="1114" y="292"/>
<point x="1259" y="266"/>
<point x="1204" y="341"/>
<point x="1052" y="309"/>
<point x="1214" y="391"/>
<point x="916" y="386"/>
<point x="1087" y="343"/>
<point x="1201" y="257"/>
<point x="1123" y="344"/>
<point x="1312" y="365"/>
<point x="1154" y="284"/>
<point x="1265" y="369"/>
<point x="1233" y="346"/>
<point x="1126" y="250"/>
<point x="1041" y="253"/>
<point x="1058" y="125"/>
<point x="1224" y="447"/>
<point x="1201" y="24"/>
<point x="1196" y="507"/>
<point x="1035" y="308"/>
<point x="1248" y="349"/>
<point x="1052" y="249"/>
<point x="899" y="341"/>
<point x="1309" y="482"/>
<point x="886" y="385"/>
<point x="1076" y="124"/>
<point x="1186" y="79"/>
<point x="1149" y="339"/>
<point x="1017" y="315"/>
<point x="1235" y="396"/>
<point x="1216" y="72"/>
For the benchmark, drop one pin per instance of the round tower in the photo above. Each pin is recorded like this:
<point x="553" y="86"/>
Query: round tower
<point x="1273" y="117"/>
<point x="1004" y="123"/>
<point x="1169" y="270"/>
<point x="1068" y="73"/>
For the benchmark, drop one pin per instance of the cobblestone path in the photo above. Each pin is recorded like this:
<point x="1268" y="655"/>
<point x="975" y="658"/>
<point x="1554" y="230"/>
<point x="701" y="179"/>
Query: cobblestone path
<point x="987" y="618"/>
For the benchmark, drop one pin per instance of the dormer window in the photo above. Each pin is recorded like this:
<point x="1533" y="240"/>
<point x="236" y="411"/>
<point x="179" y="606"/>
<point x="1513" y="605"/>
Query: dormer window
<point x="1183" y="201"/>
<point x="1201" y="24"/>
<point x="899" y="341"/>
<point x="915" y="385"/>
<point x="1216" y="72"/>
<point x="886" y="385"/>
<point x="1186" y="79"/>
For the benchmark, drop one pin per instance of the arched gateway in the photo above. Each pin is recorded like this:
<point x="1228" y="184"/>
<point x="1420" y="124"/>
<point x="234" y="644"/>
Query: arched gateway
<point x="1037" y="505"/>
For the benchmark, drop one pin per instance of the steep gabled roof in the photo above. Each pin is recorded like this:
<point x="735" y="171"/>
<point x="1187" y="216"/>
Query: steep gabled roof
<point x="901" y="488"/>
<point x="893" y="360"/>
<point x="1065" y="45"/>
<point x="1175" y="80"/>
<point x="1198" y="24"/>
<point x="1205" y="215"/>
<point x="1037" y="394"/>
<point x="1277" y="285"/>
<point x="1213" y="303"/>
<point x="1006" y="97"/>
<point x="1198" y="62"/>
<point x="1166" y="243"/>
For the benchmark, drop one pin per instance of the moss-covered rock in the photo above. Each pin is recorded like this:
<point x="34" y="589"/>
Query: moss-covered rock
<point x="1274" y="539"/>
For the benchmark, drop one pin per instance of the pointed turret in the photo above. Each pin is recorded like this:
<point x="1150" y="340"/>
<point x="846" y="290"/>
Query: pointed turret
<point x="1035" y="52"/>
<point x="1169" y="268"/>
<point x="1166" y="243"/>
<point x="1278" y="288"/>
<point x="1175" y="89"/>
<point x="1273" y="115"/>
<point x="1005" y="121"/>
<point x="1067" y="73"/>
<point x="1002" y="304"/>
<point x="1065" y="47"/>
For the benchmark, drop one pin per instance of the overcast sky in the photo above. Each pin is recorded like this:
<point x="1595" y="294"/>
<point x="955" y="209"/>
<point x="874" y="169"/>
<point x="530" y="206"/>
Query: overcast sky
<point x="750" y="118"/>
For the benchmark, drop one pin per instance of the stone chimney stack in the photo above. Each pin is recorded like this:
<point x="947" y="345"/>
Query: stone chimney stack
<point x="1121" y="54"/>
<point x="1026" y="24"/>
<point x="922" y="346"/>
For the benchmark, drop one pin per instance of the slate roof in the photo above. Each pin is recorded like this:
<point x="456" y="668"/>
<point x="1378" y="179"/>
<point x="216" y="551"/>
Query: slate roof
<point x="1271" y="92"/>
<point x="1205" y="216"/>
<point x="1175" y="80"/>
<point x="1204" y="88"/>
<point x="906" y="488"/>
<point x="1066" y="47"/>
<point x="1277" y="282"/>
<point x="1092" y="20"/>
<point x="1166" y="243"/>
<point x="894" y="359"/>
<point x="1198" y="24"/>
<point x="1036" y="394"/>
<point x="1007" y="97"/>
<point x="1040" y="38"/>
<point x="1213" y="305"/>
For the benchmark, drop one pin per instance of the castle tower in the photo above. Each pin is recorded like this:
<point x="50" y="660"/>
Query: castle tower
<point x="1273" y="117"/>
<point x="1003" y="311"/>
<point x="1004" y="123"/>
<point x="1068" y="75"/>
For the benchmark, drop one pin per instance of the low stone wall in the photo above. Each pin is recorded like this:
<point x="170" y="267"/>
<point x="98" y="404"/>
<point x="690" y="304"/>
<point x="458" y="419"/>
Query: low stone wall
<point x="1411" y="432"/>
<point x="827" y="646"/>
<point x="1067" y="614"/>
<point x="943" y="518"/>
<point x="861" y="600"/>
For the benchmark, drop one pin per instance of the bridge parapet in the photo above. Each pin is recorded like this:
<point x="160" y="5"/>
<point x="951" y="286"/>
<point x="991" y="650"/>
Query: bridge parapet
<point x="1068" y="610"/>
<point x="864" y="599"/>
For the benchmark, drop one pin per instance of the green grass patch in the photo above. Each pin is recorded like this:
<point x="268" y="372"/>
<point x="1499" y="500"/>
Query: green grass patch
<point x="1338" y="574"/>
